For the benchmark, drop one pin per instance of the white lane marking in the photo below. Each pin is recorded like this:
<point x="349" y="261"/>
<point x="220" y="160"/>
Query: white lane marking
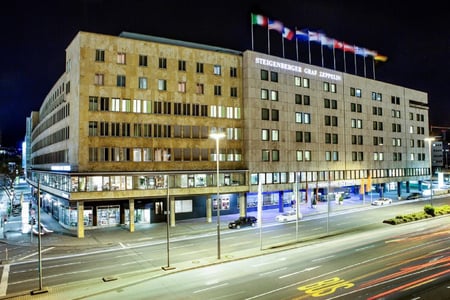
<point x="4" y="282"/>
<point x="298" y="272"/>
<point x="210" y="288"/>
<point x="35" y="253"/>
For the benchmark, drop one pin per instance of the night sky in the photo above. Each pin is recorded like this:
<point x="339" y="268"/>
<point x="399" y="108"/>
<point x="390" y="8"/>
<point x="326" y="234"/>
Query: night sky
<point x="35" y="35"/>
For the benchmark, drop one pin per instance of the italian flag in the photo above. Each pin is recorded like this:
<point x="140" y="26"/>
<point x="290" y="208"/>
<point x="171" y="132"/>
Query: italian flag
<point x="259" y="20"/>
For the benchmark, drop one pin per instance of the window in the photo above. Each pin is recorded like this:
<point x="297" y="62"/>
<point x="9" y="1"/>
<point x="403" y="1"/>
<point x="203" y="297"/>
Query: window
<point x="99" y="79"/>
<point x="162" y="85"/>
<point x="275" y="135"/>
<point x="274" y="95"/>
<point x="299" y="136"/>
<point x="299" y="155"/>
<point x="333" y="88"/>
<point x="264" y="134"/>
<point x="233" y="92"/>
<point x="298" y="117"/>
<point x="275" y="115"/>
<point x="181" y="65"/>
<point x="143" y="83"/>
<point x="305" y="82"/>
<point x="275" y="155"/>
<point x="115" y="104"/>
<point x="297" y="81"/>
<point x="182" y="87"/>
<point x="200" y="89"/>
<point x="93" y="128"/>
<point x="142" y="60"/>
<point x="199" y="68"/>
<point x="121" y="58"/>
<point x="306" y="100"/>
<point x="264" y="75"/>
<point x="217" y="70"/>
<point x="217" y="90"/>
<point x="99" y="55"/>
<point x="298" y="99"/>
<point x="265" y="155"/>
<point x="264" y="114"/>
<point x="376" y="96"/>
<point x="273" y="76"/>
<point x="121" y="80"/>
<point x="104" y="104"/>
<point x="233" y="72"/>
<point x="93" y="103"/>
<point x="327" y="103"/>
<point x="326" y="86"/>
<point x="137" y="105"/>
<point x="264" y="94"/>
<point x="162" y="63"/>
<point x="126" y="105"/>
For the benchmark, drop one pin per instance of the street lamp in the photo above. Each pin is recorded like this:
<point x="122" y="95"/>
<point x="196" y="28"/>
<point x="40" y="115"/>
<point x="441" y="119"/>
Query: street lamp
<point x="217" y="136"/>
<point x="429" y="140"/>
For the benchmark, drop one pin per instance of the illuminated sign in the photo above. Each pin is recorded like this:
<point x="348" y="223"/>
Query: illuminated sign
<point x="61" y="168"/>
<point x="297" y="69"/>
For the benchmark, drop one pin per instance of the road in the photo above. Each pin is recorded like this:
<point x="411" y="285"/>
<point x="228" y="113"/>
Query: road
<point x="63" y="265"/>
<point x="402" y="262"/>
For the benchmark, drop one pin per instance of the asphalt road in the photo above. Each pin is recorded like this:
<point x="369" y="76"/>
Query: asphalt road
<point x="402" y="262"/>
<point x="63" y="266"/>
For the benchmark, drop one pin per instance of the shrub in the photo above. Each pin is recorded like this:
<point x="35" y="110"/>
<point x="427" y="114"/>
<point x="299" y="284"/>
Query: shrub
<point x="429" y="210"/>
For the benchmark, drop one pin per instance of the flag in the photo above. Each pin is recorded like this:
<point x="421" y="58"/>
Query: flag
<point x="276" y="25"/>
<point x="259" y="20"/>
<point x="326" y="41"/>
<point x="380" y="57"/>
<point x="314" y="36"/>
<point x="371" y="53"/>
<point x="348" y="48"/>
<point x="360" y="51"/>
<point x="288" y="34"/>
<point x="301" y="35"/>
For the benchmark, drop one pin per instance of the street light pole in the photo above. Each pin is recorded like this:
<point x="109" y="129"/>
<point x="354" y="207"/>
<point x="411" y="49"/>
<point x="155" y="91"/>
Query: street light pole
<point x="429" y="140"/>
<point x="217" y="136"/>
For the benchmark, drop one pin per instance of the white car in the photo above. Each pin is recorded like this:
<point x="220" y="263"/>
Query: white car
<point x="288" y="216"/>
<point x="382" y="201"/>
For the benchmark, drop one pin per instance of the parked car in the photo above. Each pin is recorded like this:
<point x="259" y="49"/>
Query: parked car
<point x="414" y="195"/>
<point x="382" y="201"/>
<point x="288" y="216"/>
<point x="242" y="222"/>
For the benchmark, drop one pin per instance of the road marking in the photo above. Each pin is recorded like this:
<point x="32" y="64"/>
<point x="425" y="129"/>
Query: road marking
<point x="4" y="282"/>
<point x="298" y="272"/>
<point x="35" y="253"/>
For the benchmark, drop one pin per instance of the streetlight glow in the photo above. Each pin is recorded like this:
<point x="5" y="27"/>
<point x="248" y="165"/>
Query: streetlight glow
<point x="217" y="136"/>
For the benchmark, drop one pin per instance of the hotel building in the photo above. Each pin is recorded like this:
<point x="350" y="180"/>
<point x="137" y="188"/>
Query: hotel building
<point x="125" y="133"/>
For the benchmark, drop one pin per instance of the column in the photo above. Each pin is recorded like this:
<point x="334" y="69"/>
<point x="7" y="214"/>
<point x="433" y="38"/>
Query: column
<point x="242" y="205"/>
<point x="172" y="211"/>
<point x="131" y="214"/>
<point x="399" y="189"/>
<point x="80" y="219"/>
<point x="208" y="210"/>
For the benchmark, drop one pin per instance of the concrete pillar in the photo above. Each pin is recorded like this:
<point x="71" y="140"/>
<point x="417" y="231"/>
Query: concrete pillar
<point x="399" y="189"/>
<point x="208" y="210"/>
<point x="242" y="205"/>
<point x="80" y="219"/>
<point x="131" y="206"/>
<point x="172" y="211"/>
<point x="408" y="189"/>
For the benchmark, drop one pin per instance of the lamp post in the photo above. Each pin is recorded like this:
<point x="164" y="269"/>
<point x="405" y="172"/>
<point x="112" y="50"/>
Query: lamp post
<point x="217" y="136"/>
<point x="429" y="140"/>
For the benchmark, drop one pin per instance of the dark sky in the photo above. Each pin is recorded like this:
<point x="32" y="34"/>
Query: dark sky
<point x="35" y="35"/>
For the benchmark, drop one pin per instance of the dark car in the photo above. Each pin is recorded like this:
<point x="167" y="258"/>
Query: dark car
<point x="242" y="222"/>
<point x="414" y="195"/>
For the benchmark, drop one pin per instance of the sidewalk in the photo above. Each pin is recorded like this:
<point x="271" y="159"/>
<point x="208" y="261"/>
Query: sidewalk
<point x="10" y="233"/>
<point x="61" y="237"/>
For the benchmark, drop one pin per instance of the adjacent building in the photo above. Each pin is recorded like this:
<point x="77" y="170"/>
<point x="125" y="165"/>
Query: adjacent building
<point x="124" y="135"/>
